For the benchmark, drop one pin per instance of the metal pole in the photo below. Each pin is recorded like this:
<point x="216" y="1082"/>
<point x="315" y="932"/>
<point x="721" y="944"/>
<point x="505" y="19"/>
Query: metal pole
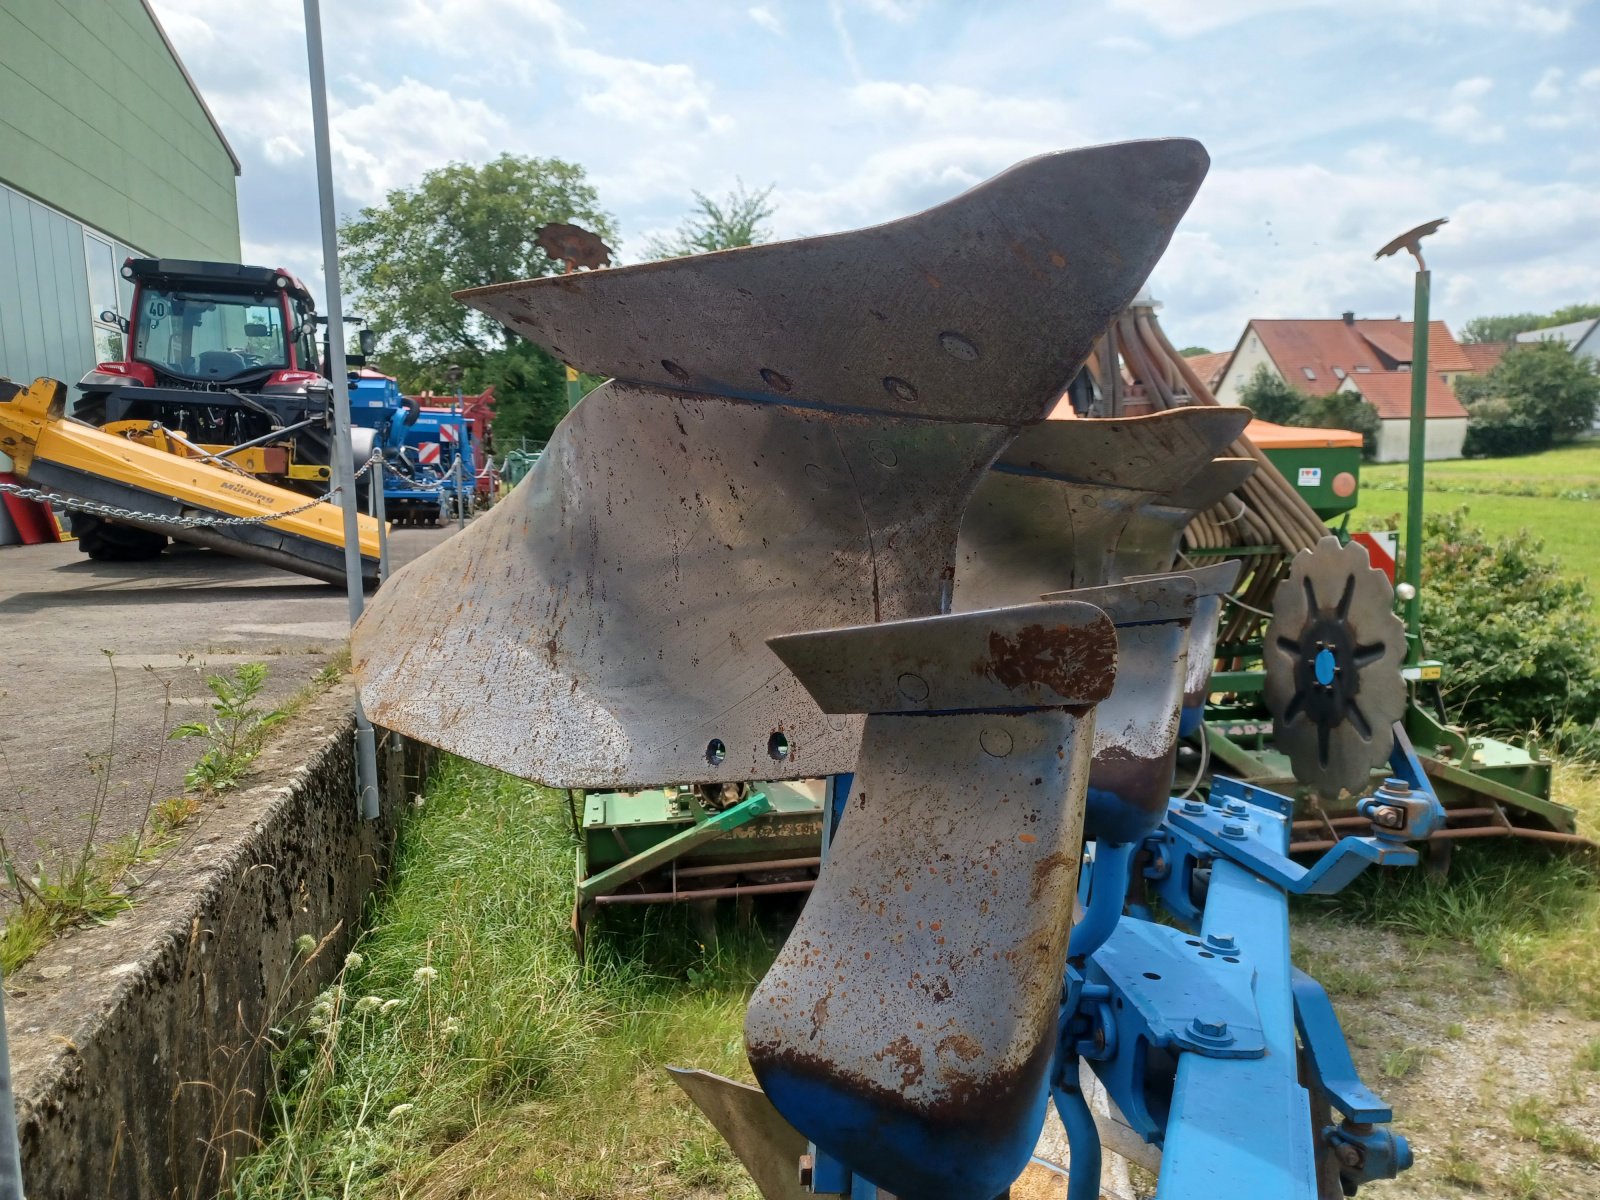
<point x="366" y="744"/>
<point x="10" y="1150"/>
<point x="461" y="499"/>
<point x="379" y="514"/>
<point x="1419" y="448"/>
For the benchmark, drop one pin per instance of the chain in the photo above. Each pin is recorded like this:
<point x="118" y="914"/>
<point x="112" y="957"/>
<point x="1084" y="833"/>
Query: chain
<point x="110" y="512"/>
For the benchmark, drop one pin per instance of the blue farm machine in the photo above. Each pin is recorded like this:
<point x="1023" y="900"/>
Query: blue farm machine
<point x="413" y="491"/>
<point x="819" y="527"/>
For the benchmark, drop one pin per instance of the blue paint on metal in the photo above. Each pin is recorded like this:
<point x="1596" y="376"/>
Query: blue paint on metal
<point x="960" y="1160"/>
<point x="1328" y="1054"/>
<point x="1323" y="666"/>
<point x="1167" y="979"/>
<point x="1083" y="1139"/>
<point x="1242" y="1126"/>
<point x="1103" y="908"/>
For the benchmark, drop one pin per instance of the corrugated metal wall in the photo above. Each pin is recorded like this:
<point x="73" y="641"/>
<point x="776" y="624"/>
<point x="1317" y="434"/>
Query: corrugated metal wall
<point x="46" y="327"/>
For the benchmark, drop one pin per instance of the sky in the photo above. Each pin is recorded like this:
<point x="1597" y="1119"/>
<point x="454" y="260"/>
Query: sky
<point x="1332" y="125"/>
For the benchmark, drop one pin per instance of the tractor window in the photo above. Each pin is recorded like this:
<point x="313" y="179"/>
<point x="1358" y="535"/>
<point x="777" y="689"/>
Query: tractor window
<point x="305" y="346"/>
<point x="210" y="335"/>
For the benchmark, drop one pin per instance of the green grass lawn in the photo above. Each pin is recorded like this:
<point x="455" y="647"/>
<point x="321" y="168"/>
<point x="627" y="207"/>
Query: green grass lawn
<point x="1540" y="492"/>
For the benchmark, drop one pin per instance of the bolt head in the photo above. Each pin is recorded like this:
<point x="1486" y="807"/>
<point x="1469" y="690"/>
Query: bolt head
<point x="1389" y="818"/>
<point x="1224" y="942"/>
<point x="1349" y="1156"/>
<point x="1214" y="1030"/>
<point x="1233" y="830"/>
<point x="1194" y="807"/>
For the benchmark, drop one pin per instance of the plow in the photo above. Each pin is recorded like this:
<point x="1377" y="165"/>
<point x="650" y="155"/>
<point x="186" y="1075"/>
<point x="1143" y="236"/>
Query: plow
<point x="819" y="548"/>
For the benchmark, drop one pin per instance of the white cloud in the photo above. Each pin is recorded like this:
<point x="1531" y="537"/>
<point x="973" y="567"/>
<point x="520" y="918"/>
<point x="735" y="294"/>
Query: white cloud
<point x="652" y="95"/>
<point x="1460" y="116"/>
<point x="381" y="144"/>
<point x="899" y="11"/>
<point x="1121" y="43"/>
<point x="1549" y="85"/>
<point x="1188" y="18"/>
<point x="952" y="107"/>
<point x="764" y="16"/>
<point x="1590" y="79"/>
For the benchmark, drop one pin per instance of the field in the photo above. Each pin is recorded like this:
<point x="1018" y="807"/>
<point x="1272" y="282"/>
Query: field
<point x="1556" y="495"/>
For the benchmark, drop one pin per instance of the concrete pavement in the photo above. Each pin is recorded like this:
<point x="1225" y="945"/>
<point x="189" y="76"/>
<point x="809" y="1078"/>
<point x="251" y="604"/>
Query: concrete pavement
<point x="82" y="732"/>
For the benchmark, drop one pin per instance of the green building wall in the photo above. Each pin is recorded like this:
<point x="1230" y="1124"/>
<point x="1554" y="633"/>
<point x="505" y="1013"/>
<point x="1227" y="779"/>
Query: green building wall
<point x="97" y="120"/>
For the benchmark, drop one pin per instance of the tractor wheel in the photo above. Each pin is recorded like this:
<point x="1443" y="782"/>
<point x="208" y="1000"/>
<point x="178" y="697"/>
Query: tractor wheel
<point x="108" y="541"/>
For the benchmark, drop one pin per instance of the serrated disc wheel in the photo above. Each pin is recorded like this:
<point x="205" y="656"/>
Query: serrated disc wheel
<point x="1333" y="654"/>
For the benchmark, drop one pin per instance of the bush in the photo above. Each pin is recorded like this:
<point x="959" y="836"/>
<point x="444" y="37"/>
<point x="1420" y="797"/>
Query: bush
<point x="1497" y="428"/>
<point x="1519" y="649"/>
<point x="1343" y="410"/>
<point x="1270" y="398"/>
<point x="1537" y="394"/>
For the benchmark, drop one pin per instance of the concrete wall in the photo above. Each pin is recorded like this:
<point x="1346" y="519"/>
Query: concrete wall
<point x="139" y="1048"/>
<point x="99" y="121"/>
<point x="1248" y="357"/>
<point x="1444" y="438"/>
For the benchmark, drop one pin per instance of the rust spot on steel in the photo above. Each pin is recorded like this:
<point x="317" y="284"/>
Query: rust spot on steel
<point x="573" y="245"/>
<point x="1058" y="657"/>
<point x="908" y="1056"/>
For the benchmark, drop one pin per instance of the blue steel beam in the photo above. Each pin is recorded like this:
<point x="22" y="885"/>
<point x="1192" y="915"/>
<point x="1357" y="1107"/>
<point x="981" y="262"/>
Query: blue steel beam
<point x="1242" y="1127"/>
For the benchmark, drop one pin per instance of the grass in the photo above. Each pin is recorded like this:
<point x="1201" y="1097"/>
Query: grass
<point x="1551" y="494"/>
<point x="1522" y="908"/>
<point x="465" y="1050"/>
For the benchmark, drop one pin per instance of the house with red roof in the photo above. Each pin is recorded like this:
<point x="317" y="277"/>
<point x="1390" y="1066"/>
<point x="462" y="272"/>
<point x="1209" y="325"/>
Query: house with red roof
<point x="1371" y="358"/>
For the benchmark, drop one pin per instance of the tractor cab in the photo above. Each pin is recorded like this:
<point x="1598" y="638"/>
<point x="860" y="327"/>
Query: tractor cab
<point x="218" y="358"/>
<point x="204" y="325"/>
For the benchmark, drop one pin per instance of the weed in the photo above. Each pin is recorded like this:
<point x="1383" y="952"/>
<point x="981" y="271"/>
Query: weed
<point x="1458" y="1168"/>
<point x="1398" y="1063"/>
<point x="236" y="732"/>
<point x="1526" y="1182"/>
<point x="1531" y="1121"/>
<point x="467" y="1003"/>
<point x="1455" y="1030"/>
<point x="1589" y="1056"/>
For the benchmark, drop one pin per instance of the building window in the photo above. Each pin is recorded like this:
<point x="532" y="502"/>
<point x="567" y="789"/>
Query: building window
<point x="1308" y="372"/>
<point x="105" y="296"/>
<point x="1339" y="373"/>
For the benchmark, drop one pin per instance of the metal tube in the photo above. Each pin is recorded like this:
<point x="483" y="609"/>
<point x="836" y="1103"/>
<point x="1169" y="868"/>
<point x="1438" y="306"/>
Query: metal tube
<point x="777" y="864"/>
<point x="1108" y="890"/>
<point x="1083" y="1138"/>
<point x="461" y="434"/>
<point x="338" y="371"/>
<point x="10" y="1149"/>
<point x="267" y="437"/>
<point x="1419" y="447"/>
<point x="380" y="515"/>
<point x="721" y="893"/>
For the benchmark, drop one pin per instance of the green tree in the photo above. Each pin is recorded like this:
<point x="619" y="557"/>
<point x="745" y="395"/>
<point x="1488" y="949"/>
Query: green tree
<point x="1342" y="410"/>
<point x="1544" y="384"/>
<point x="738" y="220"/>
<point x="1503" y="329"/>
<point x="1191" y="351"/>
<point x="1498" y="329"/>
<point x="1271" y="398"/>
<point x="466" y="226"/>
